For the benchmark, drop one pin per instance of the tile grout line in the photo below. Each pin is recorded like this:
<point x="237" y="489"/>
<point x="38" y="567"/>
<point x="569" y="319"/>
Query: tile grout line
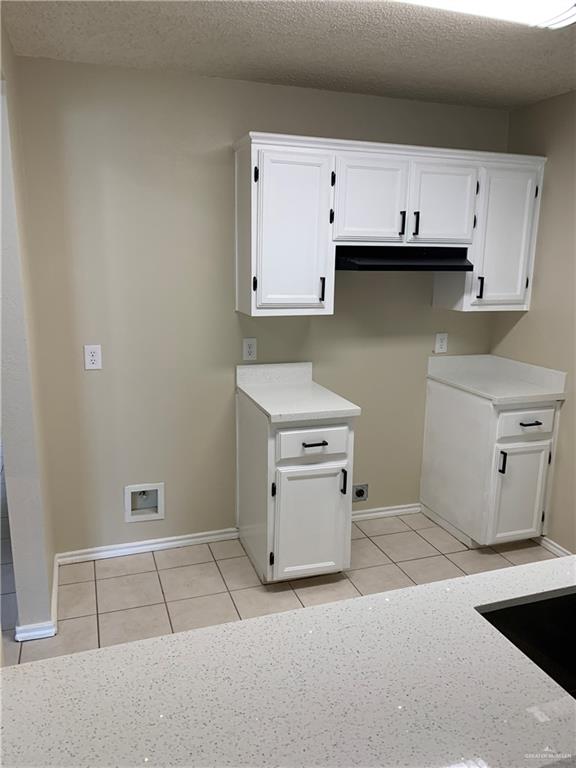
<point x="228" y="591"/>
<point x="163" y="596"/>
<point x="96" y="598"/>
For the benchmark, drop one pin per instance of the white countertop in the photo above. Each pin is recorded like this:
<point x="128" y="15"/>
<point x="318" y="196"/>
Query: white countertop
<point x="286" y="392"/>
<point x="504" y="381"/>
<point x="414" y="678"/>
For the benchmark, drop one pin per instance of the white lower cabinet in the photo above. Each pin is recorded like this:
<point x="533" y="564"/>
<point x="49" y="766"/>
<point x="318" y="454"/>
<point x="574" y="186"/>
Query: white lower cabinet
<point x="294" y="493"/>
<point x="490" y="433"/>
<point x="311" y="520"/>
<point x="518" y="489"/>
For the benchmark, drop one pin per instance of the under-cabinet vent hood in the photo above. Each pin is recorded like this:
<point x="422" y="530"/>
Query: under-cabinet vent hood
<point x="400" y="258"/>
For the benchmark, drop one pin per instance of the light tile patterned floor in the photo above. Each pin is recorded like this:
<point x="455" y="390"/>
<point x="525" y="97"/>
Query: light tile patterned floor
<point x="138" y="596"/>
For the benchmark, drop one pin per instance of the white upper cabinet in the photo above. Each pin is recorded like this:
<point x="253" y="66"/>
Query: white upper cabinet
<point x="293" y="244"/>
<point x="284" y="248"/>
<point x="370" y="199"/>
<point x="442" y="202"/>
<point x="505" y="229"/>
<point x="299" y="198"/>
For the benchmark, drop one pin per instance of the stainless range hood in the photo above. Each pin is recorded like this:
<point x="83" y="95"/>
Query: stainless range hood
<point x="394" y="258"/>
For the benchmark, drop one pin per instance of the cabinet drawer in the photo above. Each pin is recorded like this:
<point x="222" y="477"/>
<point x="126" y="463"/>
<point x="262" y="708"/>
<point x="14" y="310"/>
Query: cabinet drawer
<point x="517" y="423"/>
<point x="299" y="443"/>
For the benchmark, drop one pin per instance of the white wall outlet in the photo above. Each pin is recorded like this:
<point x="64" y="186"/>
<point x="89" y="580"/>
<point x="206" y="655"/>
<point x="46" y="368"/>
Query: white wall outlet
<point x="92" y="357"/>
<point x="249" y="349"/>
<point x="441" y="344"/>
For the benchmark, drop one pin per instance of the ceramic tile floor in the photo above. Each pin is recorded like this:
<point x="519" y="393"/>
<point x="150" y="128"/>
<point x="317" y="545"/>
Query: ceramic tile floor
<point x="116" y="600"/>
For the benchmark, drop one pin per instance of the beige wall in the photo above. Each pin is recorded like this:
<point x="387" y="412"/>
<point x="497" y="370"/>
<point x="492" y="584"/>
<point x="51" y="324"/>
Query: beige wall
<point x="547" y="334"/>
<point x="129" y="208"/>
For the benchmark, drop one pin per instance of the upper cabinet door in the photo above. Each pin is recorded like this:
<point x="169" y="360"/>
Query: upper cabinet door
<point x="442" y="201"/>
<point x="370" y="200"/>
<point x="294" y="251"/>
<point x="505" y="225"/>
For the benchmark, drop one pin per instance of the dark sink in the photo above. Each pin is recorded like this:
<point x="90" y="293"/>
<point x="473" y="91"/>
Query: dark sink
<point x="542" y="626"/>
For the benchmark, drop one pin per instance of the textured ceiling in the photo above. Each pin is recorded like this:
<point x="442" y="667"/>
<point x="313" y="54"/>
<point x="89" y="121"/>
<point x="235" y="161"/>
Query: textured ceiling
<point x="363" y="46"/>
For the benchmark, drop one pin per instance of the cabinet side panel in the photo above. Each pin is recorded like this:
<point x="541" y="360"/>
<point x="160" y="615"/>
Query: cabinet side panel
<point x="252" y="481"/>
<point x="449" y="290"/>
<point x="456" y="457"/>
<point x="243" y="229"/>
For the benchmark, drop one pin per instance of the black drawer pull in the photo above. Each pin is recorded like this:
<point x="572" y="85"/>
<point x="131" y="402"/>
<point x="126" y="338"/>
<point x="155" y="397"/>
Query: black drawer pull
<point x="530" y="423"/>
<point x="480" y="293"/>
<point x="322" y="288"/>
<point x="502" y="468"/>
<point x="403" y="224"/>
<point x="416" y="223"/>
<point x="323" y="444"/>
<point x="344" y="488"/>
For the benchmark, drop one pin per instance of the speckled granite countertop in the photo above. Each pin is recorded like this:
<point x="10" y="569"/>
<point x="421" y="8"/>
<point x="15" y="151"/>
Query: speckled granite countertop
<point x="286" y="392"/>
<point x="414" y="678"/>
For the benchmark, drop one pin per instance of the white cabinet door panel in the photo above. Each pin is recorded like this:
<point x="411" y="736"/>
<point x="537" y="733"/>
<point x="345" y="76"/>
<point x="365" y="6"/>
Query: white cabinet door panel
<point x="312" y="520"/>
<point x="505" y="233"/>
<point x="294" y="250"/>
<point x="519" y="472"/>
<point x="370" y="199"/>
<point x="442" y="202"/>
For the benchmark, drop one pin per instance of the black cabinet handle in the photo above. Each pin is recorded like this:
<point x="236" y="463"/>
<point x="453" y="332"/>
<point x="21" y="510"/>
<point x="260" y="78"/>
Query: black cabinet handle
<point x="322" y="288"/>
<point x="323" y="444"/>
<point x="403" y="223"/>
<point x="344" y="488"/>
<point x="416" y="223"/>
<point x="530" y="423"/>
<point x="480" y="293"/>
<point x="502" y="468"/>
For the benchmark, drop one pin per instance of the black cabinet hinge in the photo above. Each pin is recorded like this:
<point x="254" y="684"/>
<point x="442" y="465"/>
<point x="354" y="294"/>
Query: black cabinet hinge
<point x="273" y="489"/>
<point x="537" y="190"/>
<point x="333" y="179"/>
<point x="477" y="187"/>
<point x="254" y="283"/>
<point x="475" y="222"/>
<point x="271" y="558"/>
<point x="331" y="215"/>
<point x="550" y="458"/>
<point x="527" y="282"/>
<point x="256" y="173"/>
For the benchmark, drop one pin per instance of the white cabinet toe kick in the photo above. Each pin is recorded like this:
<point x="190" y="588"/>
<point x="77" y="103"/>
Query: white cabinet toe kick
<point x="294" y="478"/>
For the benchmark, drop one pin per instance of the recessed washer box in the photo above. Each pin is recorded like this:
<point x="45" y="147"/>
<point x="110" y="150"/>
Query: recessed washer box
<point x="143" y="502"/>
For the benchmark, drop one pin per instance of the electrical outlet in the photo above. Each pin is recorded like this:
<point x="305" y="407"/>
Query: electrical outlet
<point x="92" y="357"/>
<point x="360" y="492"/>
<point x="249" y="349"/>
<point x="441" y="344"/>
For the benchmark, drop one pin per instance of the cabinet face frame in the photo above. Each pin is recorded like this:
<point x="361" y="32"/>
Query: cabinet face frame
<point x="390" y="174"/>
<point x="268" y="574"/>
<point x="320" y="298"/>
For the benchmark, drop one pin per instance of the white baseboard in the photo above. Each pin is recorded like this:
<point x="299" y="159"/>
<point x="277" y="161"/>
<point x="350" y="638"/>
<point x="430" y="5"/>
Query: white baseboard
<point x="35" y="631"/>
<point x="150" y="545"/>
<point x="370" y="514"/>
<point x="552" y="546"/>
